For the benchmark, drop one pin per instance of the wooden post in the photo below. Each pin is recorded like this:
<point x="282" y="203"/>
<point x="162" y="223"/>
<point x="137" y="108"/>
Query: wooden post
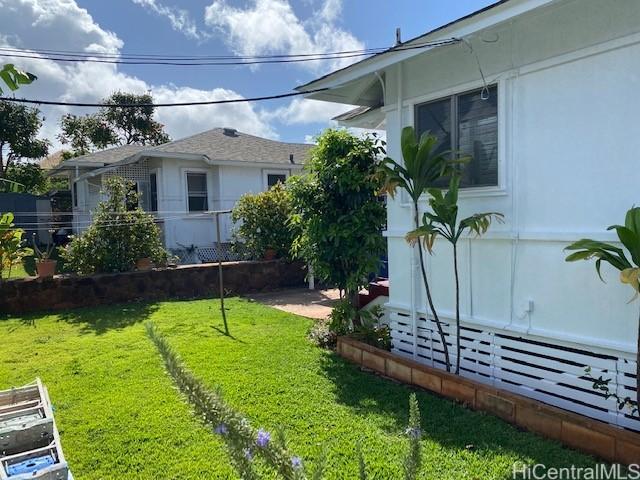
<point x="220" y="279"/>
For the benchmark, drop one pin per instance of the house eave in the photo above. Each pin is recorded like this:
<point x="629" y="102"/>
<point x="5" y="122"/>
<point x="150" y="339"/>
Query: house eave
<point x="338" y="83"/>
<point x="190" y="157"/>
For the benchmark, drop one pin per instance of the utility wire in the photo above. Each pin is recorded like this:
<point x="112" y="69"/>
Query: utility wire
<point x="181" y="63"/>
<point x="180" y="104"/>
<point x="157" y="59"/>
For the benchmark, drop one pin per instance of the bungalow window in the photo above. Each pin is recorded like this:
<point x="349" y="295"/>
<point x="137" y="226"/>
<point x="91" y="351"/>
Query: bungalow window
<point x="466" y="123"/>
<point x="153" y="192"/>
<point x="197" y="192"/>
<point x="274" y="178"/>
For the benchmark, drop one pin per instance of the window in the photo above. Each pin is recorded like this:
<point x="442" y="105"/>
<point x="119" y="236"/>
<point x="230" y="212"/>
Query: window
<point x="75" y="194"/>
<point x="197" y="192"/>
<point x="275" y="178"/>
<point x="153" y="192"/>
<point x="468" y="124"/>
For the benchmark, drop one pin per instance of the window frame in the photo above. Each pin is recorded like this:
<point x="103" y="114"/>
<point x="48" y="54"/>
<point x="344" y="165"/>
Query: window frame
<point x="501" y="189"/>
<point x="200" y="171"/>
<point x="266" y="173"/>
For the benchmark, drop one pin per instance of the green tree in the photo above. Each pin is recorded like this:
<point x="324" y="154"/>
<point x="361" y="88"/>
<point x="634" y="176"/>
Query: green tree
<point x="629" y="236"/>
<point x="114" y="124"/>
<point x="422" y="167"/>
<point x="19" y="127"/>
<point x="85" y="134"/>
<point x="118" y="236"/>
<point x="338" y="212"/>
<point x="443" y="220"/>
<point x="133" y="125"/>
<point x="262" y="222"/>
<point x="29" y="175"/>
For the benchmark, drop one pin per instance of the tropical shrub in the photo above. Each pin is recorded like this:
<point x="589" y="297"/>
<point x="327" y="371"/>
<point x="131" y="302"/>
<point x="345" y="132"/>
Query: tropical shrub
<point x="261" y="222"/>
<point x="422" y="167"/>
<point x="12" y="244"/>
<point x="336" y="208"/>
<point x="443" y="221"/>
<point x="629" y="268"/>
<point x="345" y="319"/>
<point x="121" y="233"/>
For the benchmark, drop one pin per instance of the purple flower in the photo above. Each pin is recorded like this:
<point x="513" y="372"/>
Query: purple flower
<point x="221" y="429"/>
<point x="248" y="454"/>
<point x="263" y="438"/>
<point x="296" y="462"/>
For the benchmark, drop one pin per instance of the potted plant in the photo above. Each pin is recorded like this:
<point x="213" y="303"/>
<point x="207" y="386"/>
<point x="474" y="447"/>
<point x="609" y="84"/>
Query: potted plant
<point x="144" y="264"/>
<point x="45" y="265"/>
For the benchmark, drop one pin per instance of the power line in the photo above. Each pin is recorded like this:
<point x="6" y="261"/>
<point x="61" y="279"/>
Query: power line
<point x="197" y="60"/>
<point x="182" y="63"/>
<point x="180" y="104"/>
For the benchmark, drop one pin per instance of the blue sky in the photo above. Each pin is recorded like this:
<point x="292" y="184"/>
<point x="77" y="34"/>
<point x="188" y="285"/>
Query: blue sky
<point x="211" y="27"/>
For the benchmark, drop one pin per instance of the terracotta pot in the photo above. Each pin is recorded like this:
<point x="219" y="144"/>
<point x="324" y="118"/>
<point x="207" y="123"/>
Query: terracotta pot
<point x="269" y="254"/>
<point x="144" y="264"/>
<point x="46" y="268"/>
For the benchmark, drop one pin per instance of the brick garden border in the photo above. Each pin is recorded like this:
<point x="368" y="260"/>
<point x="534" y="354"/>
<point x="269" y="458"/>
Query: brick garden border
<point x="609" y="442"/>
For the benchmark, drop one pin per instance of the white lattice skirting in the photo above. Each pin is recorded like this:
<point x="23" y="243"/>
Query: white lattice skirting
<point x="553" y="373"/>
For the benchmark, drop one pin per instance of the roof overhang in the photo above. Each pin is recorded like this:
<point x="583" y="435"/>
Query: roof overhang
<point x="370" y="118"/>
<point x="353" y="84"/>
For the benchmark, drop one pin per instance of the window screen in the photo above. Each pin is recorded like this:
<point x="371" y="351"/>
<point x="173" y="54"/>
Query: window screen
<point x="274" y="178"/>
<point x="468" y="124"/>
<point x="197" y="192"/>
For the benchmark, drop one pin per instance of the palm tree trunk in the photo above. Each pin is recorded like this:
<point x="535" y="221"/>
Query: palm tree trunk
<point x="428" y="290"/>
<point x="455" y="271"/>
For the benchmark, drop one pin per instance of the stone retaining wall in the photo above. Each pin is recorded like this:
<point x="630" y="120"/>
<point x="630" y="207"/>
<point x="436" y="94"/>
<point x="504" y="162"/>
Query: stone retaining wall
<point x="606" y="441"/>
<point x="189" y="281"/>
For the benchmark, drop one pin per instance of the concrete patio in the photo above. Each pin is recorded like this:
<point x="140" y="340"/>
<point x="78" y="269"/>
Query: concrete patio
<point x="300" y="301"/>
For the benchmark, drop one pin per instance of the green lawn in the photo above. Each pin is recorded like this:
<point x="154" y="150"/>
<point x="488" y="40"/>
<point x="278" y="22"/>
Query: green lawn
<point x="121" y="417"/>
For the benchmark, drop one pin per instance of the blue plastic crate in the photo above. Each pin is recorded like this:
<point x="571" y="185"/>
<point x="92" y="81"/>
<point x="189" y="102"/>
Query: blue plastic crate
<point x="31" y="465"/>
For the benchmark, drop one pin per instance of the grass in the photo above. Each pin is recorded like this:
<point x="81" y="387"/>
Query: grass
<point x="121" y="417"/>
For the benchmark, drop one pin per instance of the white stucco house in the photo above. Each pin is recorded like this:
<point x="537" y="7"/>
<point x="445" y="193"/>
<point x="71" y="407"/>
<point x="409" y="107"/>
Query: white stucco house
<point x="181" y="180"/>
<point x="544" y="95"/>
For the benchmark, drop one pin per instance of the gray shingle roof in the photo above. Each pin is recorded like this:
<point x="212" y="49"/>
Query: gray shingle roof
<point x="108" y="156"/>
<point x="224" y="144"/>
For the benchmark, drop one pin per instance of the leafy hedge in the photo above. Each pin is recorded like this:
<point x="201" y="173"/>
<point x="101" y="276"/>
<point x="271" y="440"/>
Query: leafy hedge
<point x="121" y="234"/>
<point x="262" y="222"/>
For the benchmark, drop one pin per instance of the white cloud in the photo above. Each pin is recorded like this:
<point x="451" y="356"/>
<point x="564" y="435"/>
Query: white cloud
<point x="302" y="111"/>
<point x="62" y="25"/>
<point x="185" y="121"/>
<point x="55" y="25"/>
<point x="272" y="27"/>
<point x="180" y="19"/>
<point x="331" y="10"/>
